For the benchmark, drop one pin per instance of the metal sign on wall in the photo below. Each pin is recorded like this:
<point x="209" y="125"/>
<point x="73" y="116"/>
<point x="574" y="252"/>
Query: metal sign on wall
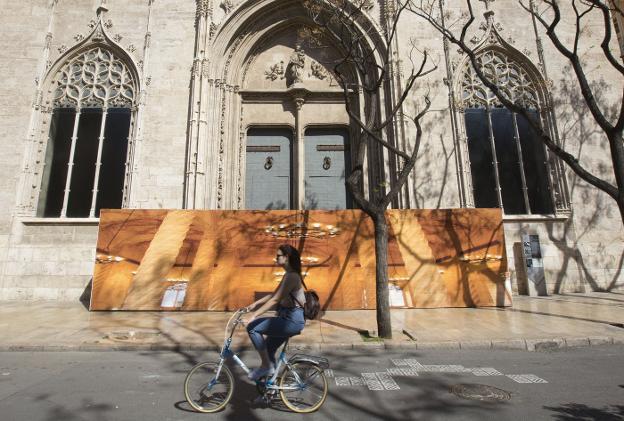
<point x="222" y="260"/>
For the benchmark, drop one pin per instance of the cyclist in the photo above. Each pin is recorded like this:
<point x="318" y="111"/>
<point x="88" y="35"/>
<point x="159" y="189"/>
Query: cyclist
<point x="290" y="298"/>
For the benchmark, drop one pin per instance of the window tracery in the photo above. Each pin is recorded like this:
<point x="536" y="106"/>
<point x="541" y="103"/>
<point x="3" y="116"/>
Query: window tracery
<point x="507" y="74"/>
<point x="94" y="78"/>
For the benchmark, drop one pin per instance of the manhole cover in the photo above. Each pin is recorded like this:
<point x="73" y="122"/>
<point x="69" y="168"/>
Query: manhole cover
<point x="480" y="392"/>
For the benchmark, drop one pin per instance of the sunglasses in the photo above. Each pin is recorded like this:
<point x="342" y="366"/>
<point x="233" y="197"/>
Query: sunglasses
<point x="277" y="256"/>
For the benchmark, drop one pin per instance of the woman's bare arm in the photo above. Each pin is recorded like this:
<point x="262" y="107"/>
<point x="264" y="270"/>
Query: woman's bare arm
<point x="255" y="304"/>
<point x="275" y="298"/>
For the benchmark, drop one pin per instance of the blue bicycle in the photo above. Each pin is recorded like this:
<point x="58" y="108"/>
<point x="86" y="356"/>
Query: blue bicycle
<point x="300" y="380"/>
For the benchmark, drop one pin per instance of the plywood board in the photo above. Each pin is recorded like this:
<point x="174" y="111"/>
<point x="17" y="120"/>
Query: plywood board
<point x="223" y="260"/>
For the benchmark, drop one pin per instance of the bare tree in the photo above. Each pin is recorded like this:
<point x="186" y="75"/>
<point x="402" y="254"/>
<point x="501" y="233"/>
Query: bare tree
<point x="363" y="72"/>
<point x="549" y="14"/>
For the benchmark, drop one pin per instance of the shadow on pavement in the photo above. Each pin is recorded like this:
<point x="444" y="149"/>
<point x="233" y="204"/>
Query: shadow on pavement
<point x="576" y="411"/>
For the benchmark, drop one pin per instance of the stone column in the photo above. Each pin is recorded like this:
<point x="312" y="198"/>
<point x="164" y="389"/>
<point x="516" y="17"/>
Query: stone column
<point x="299" y="151"/>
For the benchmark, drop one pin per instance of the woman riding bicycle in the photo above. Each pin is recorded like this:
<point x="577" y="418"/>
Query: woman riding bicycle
<point x="290" y="298"/>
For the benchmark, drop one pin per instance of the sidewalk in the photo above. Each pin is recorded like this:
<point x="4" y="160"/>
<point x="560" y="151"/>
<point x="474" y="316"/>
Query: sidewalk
<point x="533" y="323"/>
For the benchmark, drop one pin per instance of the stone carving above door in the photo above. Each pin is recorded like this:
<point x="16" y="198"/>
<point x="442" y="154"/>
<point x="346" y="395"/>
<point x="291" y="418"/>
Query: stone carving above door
<point x="282" y="67"/>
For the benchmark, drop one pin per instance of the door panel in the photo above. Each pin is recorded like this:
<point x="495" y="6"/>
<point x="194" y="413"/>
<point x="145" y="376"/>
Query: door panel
<point x="326" y="165"/>
<point x="268" y="175"/>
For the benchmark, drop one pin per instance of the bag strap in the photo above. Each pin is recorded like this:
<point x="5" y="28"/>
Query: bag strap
<point x="296" y="300"/>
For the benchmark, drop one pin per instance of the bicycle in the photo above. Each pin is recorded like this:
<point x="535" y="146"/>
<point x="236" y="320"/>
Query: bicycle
<point x="299" y="380"/>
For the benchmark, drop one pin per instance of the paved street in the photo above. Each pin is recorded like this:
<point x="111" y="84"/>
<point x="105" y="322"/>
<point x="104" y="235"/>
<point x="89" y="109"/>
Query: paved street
<point x="570" y="384"/>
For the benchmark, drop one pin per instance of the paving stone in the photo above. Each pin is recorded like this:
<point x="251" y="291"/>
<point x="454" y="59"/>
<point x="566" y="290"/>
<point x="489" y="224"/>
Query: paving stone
<point x="509" y="344"/>
<point x="600" y="340"/>
<point x="544" y="344"/>
<point x="576" y="342"/>
<point x="438" y="345"/>
<point x="483" y="344"/>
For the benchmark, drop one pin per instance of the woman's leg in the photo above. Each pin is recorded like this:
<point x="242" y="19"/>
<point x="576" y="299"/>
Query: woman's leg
<point x="276" y="338"/>
<point x="276" y="329"/>
<point x="256" y="330"/>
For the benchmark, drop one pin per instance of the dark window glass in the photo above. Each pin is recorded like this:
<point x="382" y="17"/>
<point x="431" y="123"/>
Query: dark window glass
<point x="508" y="162"/>
<point x="535" y="170"/>
<point x="112" y="169"/>
<point x="114" y="151"/>
<point x="83" y="174"/>
<point x="57" y="157"/>
<point x="481" y="161"/>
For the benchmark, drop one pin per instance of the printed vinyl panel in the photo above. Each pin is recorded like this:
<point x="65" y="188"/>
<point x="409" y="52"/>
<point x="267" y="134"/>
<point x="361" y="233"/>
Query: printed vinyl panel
<point x="223" y="260"/>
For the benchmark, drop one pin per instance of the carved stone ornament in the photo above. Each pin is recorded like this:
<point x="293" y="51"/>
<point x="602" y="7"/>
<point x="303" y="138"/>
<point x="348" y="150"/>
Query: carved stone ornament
<point x="98" y="34"/>
<point x="108" y="24"/>
<point x="227" y="5"/>
<point x="212" y="30"/>
<point x="62" y="48"/>
<point x="78" y="37"/>
<point x="117" y="38"/>
<point x="202" y="8"/>
<point x="94" y="78"/>
<point x="508" y="75"/>
<point x="365" y="4"/>
<point x="275" y="72"/>
<point x="318" y="71"/>
<point x="294" y="69"/>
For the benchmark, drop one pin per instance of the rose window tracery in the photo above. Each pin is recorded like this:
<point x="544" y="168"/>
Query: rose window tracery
<point x="94" y="78"/>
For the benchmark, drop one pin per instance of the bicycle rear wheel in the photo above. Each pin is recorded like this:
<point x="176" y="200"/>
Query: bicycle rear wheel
<point x="303" y="387"/>
<point x="206" y="392"/>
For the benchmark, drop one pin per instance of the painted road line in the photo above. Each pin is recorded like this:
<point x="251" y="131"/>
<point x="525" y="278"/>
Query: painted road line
<point x="342" y="381"/>
<point x="526" y="378"/>
<point x="357" y="381"/>
<point x="485" y="371"/>
<point x="387" y="381"/>
<point x="372" y="382"/>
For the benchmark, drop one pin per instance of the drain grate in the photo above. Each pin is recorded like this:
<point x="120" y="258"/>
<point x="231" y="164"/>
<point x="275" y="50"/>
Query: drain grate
<point x="480" y="392"/>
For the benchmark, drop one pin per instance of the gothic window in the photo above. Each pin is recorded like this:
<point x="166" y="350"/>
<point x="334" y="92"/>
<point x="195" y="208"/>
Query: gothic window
<point x="85" y="161"/>
<point x="508" y="162"/>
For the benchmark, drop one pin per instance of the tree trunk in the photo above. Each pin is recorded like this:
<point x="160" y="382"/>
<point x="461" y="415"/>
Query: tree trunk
<point x="384" y="324"/>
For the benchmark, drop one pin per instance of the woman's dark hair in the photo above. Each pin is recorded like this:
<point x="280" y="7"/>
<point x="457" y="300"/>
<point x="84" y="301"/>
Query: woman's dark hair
<point x="294" y="258"/>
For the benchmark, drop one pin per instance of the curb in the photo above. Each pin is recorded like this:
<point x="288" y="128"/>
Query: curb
<point x="531" y="345"/>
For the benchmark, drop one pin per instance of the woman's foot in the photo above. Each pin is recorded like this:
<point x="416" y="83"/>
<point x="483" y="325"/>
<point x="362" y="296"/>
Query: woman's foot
<point x="259" y="372"/>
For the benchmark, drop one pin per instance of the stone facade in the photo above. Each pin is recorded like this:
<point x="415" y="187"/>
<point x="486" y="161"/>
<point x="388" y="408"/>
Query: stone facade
<point x="206" y="71"/>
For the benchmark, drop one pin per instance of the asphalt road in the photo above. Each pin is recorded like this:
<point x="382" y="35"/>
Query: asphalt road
<point x="576" y="384"/>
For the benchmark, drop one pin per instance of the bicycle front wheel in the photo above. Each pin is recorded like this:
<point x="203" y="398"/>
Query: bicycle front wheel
<point x="303" y="387"/>
<point x="205" y="391"/>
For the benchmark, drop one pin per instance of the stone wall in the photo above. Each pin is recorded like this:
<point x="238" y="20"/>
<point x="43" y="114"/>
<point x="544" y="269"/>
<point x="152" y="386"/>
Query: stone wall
<point x="53" y="259"/>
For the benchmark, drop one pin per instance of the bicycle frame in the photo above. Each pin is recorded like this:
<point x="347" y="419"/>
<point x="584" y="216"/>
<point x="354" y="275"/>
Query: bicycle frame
<point x="226" y="353"/>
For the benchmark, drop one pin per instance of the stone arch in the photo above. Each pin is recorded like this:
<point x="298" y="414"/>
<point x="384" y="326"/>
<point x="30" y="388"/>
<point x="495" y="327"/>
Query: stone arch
<point x="98" y="39"/>
<point x="252" y="21"/>
<point x="230" y="53"/>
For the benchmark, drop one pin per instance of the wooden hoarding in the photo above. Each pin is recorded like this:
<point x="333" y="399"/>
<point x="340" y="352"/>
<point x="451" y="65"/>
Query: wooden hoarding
<point x="223" y="260"/>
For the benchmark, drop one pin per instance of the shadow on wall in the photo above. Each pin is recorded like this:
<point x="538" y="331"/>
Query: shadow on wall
<point x="579" y="131"/>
